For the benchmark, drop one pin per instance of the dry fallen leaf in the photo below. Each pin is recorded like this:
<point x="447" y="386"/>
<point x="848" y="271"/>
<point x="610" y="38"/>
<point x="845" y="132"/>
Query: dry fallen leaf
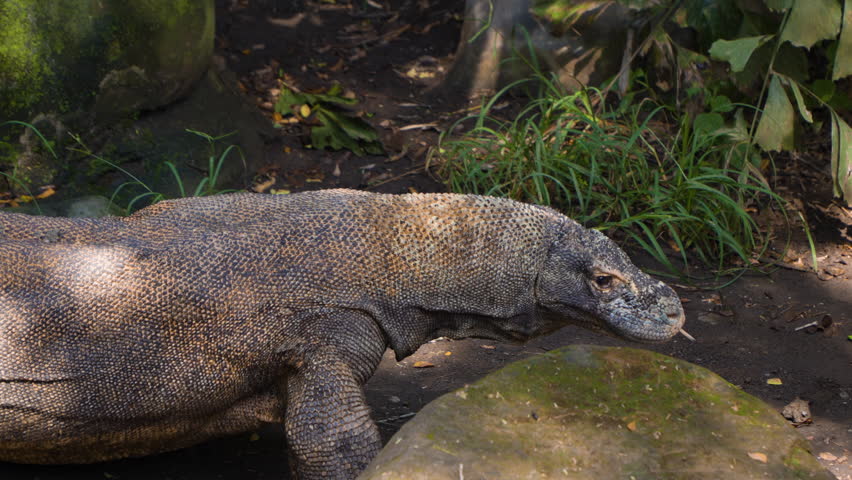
<point x="448" y="353"/>
<point x="46" y="191"/>
<point x="715" y="299"/>
<point x="632" y="426"/>
<point x="423" y="364"/>
<point x="305" y="111"/>
<point x="828" y="456"/>
<point x="774" y="381"/>
<point x="760" y="457"/>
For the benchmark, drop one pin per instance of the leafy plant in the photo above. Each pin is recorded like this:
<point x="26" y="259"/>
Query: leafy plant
<point x="687" y="190"/>
<point x="330" y="124"/>
<point x="206" y="186"/>
<point x="12" y="177"/>
<point x="775" y="50"/>
<point x="789" y="54"/>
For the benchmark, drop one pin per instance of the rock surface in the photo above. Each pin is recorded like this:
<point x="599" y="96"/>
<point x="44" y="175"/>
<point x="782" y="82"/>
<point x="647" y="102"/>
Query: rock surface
<point x="110" y="56"/>
<point x="588" y="412"/>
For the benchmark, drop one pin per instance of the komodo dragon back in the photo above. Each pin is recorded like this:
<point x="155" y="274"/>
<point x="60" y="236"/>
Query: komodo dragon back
<point x="203" y="317"/>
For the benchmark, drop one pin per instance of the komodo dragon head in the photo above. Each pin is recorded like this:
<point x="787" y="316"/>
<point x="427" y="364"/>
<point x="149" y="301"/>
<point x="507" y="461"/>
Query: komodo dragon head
<point x="590" y="280"/>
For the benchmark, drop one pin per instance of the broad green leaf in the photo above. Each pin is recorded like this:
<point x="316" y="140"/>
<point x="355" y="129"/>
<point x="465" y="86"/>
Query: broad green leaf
<point x="800" y="103"/>
<point x="327" y="98"/>
<point x="812" y="21"/>
<point x="708" y="122"/>
<point x="354" y="126"/>
<point x="289" y="101"/>
<point x="843" y="58"/>
<point x="330" y="135"/>
<point x="775" y="130"/>
<point x="737" y="52"/>
<point x="339" y="130"/>
<point x="841" y="158"/>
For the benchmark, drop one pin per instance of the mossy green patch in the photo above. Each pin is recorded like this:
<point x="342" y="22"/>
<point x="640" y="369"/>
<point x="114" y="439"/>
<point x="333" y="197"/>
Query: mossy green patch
<point x="22" y="58"/>
<point x="54" y="55"/>
<point x="588" y="412"/>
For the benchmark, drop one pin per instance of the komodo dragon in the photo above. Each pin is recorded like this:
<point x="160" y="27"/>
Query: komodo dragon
<point x="204" y="317"/>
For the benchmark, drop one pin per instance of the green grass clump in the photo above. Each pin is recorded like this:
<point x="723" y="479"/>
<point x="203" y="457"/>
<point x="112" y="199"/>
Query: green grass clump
<point x="634" y="169"/>
<point x="208" y="185"/>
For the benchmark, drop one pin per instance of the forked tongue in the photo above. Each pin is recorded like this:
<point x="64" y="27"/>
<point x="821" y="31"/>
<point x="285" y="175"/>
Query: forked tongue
<point x="690" y="337"/>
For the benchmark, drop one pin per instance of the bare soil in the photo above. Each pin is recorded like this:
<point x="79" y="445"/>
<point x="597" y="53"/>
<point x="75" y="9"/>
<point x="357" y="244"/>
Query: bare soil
<point x="749" y="332"/>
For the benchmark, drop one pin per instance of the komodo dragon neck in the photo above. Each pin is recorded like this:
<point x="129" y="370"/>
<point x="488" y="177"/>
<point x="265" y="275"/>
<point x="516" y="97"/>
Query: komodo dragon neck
<point x="458" y="267"/>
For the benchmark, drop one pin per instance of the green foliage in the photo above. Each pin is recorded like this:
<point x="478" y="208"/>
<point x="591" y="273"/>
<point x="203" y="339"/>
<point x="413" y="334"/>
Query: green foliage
<point x="206" y="186"/>
<point x="687" y="192"/>
<point x="331" y="125"/>
<point x="770" y="48"/>
<point x="13" y="177"/>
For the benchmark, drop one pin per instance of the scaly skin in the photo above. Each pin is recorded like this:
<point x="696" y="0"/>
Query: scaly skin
<point x="203" y="317"/>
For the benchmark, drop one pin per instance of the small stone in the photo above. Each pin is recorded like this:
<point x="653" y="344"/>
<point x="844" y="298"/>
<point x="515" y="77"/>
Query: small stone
<point x="394" y="399"/>
<point x="798" y="412"/>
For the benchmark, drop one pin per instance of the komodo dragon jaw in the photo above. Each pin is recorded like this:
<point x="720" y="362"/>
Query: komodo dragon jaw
<point x="208" y="316"/>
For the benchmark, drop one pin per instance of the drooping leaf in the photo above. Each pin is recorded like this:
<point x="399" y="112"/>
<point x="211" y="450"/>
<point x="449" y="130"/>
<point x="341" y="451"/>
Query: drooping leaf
<point x="841" y="158"/>
<point x="775" y="130"/>
<point x="737" y="52"/>
<point x="812" y="21"/>
<point x="800" y="102"/>
<point x="843" y="58"/>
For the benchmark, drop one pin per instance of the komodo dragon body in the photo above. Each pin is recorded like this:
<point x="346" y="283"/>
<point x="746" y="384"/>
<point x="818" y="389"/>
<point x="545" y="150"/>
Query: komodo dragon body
<point x="202" y="317"/>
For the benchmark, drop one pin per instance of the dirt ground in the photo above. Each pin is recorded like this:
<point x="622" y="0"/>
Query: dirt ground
<point x="748" y="333"/>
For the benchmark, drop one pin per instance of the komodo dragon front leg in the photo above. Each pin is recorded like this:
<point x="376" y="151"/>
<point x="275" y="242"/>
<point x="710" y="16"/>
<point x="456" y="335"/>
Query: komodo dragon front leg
<point x="329" y="431"/>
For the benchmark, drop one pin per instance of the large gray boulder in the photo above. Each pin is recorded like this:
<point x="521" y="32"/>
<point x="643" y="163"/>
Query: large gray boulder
<point x="588" y="412"/>
<point x="107" y="56"/>
<point x="84" y="65"/>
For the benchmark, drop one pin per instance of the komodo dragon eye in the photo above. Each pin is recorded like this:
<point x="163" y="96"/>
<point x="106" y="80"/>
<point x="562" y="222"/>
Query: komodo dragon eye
<point x="604" y="282"/>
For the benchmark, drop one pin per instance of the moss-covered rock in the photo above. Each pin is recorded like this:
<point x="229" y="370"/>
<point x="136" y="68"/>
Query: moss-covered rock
<point x="109" y="56"/>
<point x="587" y="412"/>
